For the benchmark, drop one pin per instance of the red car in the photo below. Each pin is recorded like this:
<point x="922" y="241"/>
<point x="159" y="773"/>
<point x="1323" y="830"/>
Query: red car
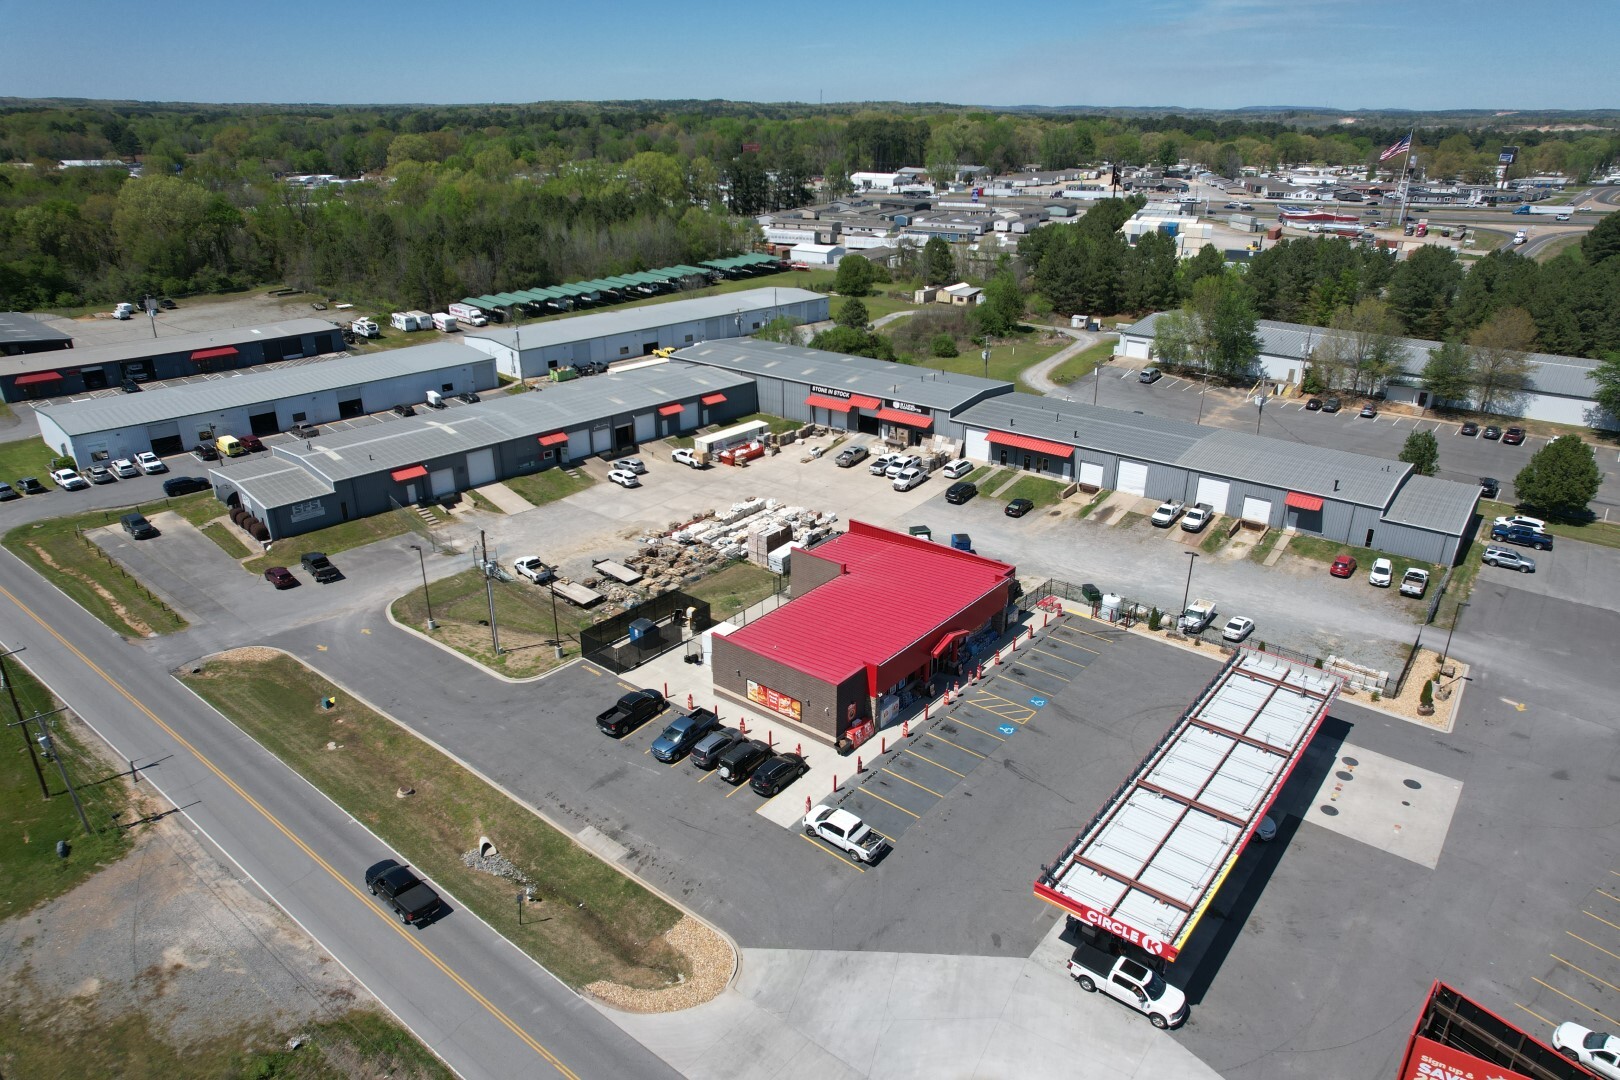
<point x="1343" y="566"/>
<point x="1513" y="436"/>
<point x="250" y="443"/>
<point x="280" y="577"/>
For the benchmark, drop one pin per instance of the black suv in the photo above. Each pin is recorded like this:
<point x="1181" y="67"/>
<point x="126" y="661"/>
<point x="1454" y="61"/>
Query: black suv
<point x="739" y="763"/>
<point x="960" y="492"/>
<point x="206" y="452"/>
<point x="706" y="754"/>
<point x="184" y="485"/>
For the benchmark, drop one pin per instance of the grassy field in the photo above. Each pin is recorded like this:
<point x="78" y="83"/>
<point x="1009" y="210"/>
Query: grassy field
<point x="1082" y="363"/>
<point x="777" y="425"/>
<point x="1007" y="359"/>
<point x="26" y="457"/>
<point x="227" y="541"/>
<point x="1037" y="489"/>
<point x="979" y="475"/>
<point x="332" y="539"/>
<point x="549" y="485"/>
<point x="1215" y="539"/>
<point x="735" y="588"/>
<point x="589" y="922"/>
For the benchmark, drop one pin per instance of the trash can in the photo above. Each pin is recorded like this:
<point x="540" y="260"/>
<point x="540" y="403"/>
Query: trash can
<point x="643" y="630"/>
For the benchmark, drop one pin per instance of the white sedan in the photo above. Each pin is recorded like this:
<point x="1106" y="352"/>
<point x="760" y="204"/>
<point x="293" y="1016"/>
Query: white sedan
<point x="624" y="478"/>
<point x="68" y="480"/>
<point x="1594" y="1049"/>
<point x="150" y="462"/>
<point x="1237" y="628"/>
<point x="126" y="468"/>
<point x="1382" y="573"/>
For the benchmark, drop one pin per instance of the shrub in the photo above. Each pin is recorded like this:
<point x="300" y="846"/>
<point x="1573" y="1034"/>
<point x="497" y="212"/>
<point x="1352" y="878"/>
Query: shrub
<point x="943" y="345"/>
<point x="1426" y="699"/>
<point x="1155" y="617"/>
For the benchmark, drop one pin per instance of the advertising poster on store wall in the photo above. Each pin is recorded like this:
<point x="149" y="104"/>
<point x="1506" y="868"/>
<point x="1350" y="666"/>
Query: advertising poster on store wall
<point x="778" y="703"/>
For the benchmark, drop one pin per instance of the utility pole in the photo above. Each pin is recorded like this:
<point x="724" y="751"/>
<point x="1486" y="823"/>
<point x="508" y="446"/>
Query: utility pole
<point x="11" y="689"/>
<point x="1192" y="556"/>
<point x="428" y="599"/>
<point x="50" y="752"/>
<point x="556" y="635"/>
<point x="489" y="593"/>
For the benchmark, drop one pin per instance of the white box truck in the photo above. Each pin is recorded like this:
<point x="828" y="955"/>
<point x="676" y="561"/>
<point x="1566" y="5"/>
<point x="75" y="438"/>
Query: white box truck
<point x="444" y="322"/>
<point x="468" y="314"/>
<point x="435" y="399"/>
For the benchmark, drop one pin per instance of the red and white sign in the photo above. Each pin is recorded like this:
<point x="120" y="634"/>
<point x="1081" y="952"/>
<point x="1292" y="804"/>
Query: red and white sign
<point x="862" y="731"/>
<point x="774" y="700"/>
<point x="1429" y="1060"/>
<point x="1122" y="930"/>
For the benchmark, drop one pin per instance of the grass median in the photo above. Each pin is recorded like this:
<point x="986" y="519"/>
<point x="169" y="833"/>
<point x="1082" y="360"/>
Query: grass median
<point x="549" y="485"/>
<point x="589" y="923"/>
<point x="1082" y="364"/>
<point x="1038" y="490"/>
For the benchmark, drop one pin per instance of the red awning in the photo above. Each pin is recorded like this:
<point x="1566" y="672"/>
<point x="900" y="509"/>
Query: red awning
<point x="34" y="378"/>
<point x="824" y="402"/>
<point x="946" y="642"/>
<point x="861" y="401"/>
<point x="1025" y="442"/>
<point x="554" y="439"/>
<point x="671" y="410"/>
<point x="712" y="399"/>
<point x="214" y="354"/>
<point x="1303" y="502"/>
<point x="896" y="416"/>
<point x="410" y="472"/>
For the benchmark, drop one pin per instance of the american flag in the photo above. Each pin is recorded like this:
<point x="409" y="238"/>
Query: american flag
<point x="1399" y="148"/>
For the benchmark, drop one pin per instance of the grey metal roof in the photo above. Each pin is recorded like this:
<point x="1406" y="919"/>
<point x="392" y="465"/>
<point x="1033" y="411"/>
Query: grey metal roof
<point x="1291" y="466"/>
<point x="1426" y="502"/>
<point x="1112" y="431"/>
<point x="17" y="328"/>
<point x="858" y="374"/>
<point x="501" y="418"/>
<point x="539" y="335"/>
<point x="271" y="480"/>
<point x="168" y="345"/>
<point x="216" y="395"/>
<point x="1564" y="376"/>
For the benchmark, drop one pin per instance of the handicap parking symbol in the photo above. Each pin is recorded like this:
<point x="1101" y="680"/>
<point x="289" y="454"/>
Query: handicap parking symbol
<point x="1038" y="702"/>
<point x="1008" y="729"/>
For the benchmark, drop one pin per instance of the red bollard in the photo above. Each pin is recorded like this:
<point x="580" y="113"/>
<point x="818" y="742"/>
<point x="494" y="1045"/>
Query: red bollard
<point x="666" y="691"/>
<point x="688" y="702"/>
<point x="859" y="768"/>
<point x="925" y="709"/>
<point x="742" y="725"/>
<point x="807" y="804"/>
<point x="1032" y="633"/>
<point x="1015" y="642"/>
<point x="770" y="738"/>
<point x="885" y="747"/>
<point x="1045" y="615"/>
<point x="798" y="748"/>
<point x="905" y="729"/>
<point x="835" y="781"/>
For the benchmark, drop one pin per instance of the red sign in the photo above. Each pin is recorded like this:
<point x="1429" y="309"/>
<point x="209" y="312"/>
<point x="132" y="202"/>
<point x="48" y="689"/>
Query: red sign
<point x="1429" y="1060"/>
<point x="862" y="731"/>
<point x="1122" y="930"/>
<point x="773" y="700"/>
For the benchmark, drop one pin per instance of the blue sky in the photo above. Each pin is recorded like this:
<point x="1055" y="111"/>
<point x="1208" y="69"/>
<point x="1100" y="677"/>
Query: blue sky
<point x="1193" y="53"/>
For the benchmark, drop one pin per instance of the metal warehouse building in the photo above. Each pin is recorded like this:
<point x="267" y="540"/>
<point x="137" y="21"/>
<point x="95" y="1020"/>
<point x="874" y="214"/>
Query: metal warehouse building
<point x="1559" y="388"/>
<point x="850" y="393"/>
<point x="21" y="334"/>
<point x="303" y="485"/>
<point x="169" y="419"/>
<point x="829" y="664"/>
<point x="1344" y="497"/>
<point x="528" y="352"/>
<point x="58" y="374"/>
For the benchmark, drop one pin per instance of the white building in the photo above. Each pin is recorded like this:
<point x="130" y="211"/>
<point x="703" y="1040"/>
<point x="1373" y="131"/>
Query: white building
<point x="817" y="254"/>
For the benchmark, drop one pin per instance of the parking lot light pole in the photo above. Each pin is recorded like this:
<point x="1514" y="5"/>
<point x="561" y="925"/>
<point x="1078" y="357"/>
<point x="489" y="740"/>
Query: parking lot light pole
<point x="1187" y="592"/>
<point x="1455" y="619"/>
<point x="428" y="599"/>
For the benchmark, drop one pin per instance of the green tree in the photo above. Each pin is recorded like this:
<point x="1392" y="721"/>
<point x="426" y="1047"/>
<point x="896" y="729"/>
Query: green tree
<point x="1561" y="479"/>
<point x="939" y="265"/>
<point x="853" y="342"/>
<point x="1603" y="242"/>
<point x="1150" y="274"/>
<point x="1003" y="306"/>
<point x="943" y="345"/>
<point x="782" y="330"/>
<point x="1173" y="336"/>
<point x="1227" y="341"/>
<point x="1607" y="395"/>
<point x="1360" y="343"/>
<point x="1500" y="351"/>
<point x="1449" y="375"/>
<point x="853" y="313"/>
<point x="854" y="277"/>
<point x="1422" y="289"/>
<point x="1208" y="262"/>
<point x="1422" y="452"/>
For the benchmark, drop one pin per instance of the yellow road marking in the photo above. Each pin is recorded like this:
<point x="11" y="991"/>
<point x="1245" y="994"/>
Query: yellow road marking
<point x="1583" y="971"/>
<point x="980" y="730"/>
<point x="1073" y="645"/>
<point x="1611" y="896"/>
<point x="399" y="928"/>
<point x="1065" y="659"/>
<point x="825" y="850"/>
<point x="1601" y="919"/>
<point x="959" y="746"/>
<point x="1593" y="944"/>
<point x="914" y="784"/>
<point x="1576" y="1000"/>
<point x="897" y="806"/>
<point x="705" y="776"/>
<point x="1036" y="689"/>
<point x="936" y="764"/>
<point x="1535" y="1014"/>
<point x="989" y="694"/>
<point x="736" y="788"/>
<point x="1089" y="634"/>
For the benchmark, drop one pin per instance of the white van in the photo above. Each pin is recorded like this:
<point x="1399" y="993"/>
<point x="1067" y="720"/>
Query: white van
<point x="958" y="468"/>
<point x="124" y="311"/>
<point x="444" y="322"/>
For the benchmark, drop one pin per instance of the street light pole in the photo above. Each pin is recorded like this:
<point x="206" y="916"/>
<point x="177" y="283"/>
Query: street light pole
<point x="426" y="597"/>
<point x="1259" y="412"/>
<point x="1202" y="394"/>
<point x="1455" y="619"/>
<point x="1186" y="593"/>
<point x="1097" y="371"/>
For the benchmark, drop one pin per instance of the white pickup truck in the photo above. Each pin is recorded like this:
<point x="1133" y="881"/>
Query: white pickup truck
<point x="1414" y="582"/>
<point x="1131" y="982"/>
<point x="846" y="832"/>
<point x="1199" y="614"/>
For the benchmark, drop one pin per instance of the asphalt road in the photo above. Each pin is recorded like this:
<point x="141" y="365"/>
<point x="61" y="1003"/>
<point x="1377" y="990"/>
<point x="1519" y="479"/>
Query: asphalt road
<point x="481" y="1005"/>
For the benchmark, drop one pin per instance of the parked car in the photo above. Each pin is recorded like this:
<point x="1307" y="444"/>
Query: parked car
<point x="624" y="478"/>
<point x="1019" y="507"/>
<point x="137" y="526"/>
<point x="629" y="712"/>
<point x="1167" y="513"/>
<point x="909" y="478"/>
<point x="960" y="492"/>
<point x="1491" y="432"/>
<point x="1343" y="566"/>
<point x="130" y="386"/>
<point x="280" y="577"/>
<point x="125" y="468"/>
<point x="739" y="763"/>
<point x="707" y="751"/>
<point x="1313" y="404"/>
<point x="1369" y="411"/>
<point x="686" y="457"/>
<point x="1200" y="515"/>
<point x="1513" y="436"/>
<point x="631" y="465"/>
<point x="880" y="464"/>
<point x="166" y="304"/>
<point x="205" y="452"/>
<point x="850" y="456"/>
<point x="1149" y="375"/>
<point x="1489" y="487"/>
<point x="1597" y="1051"/>
<point x="468" y="397"/>
<point x="404" y="410"/>
<point x="531" y="567"/>
<point x="30" y="486"/>
<point x="958" y="468"/>
<point x="1415" y="582"/>
<point x="901" y="463"/>
<point x="1508" y="559"/>
<point x="250" y="444"/>
<point x="1523" y="536"/>
<point x="1332" y="404"/>
<point x="1237" y="628"/>
<point x="100" y="474"/>
<point x="185" y="485"/>
<point x="319" y="567"/>
<point x="683" y="733"/>
<point x="68" y="480"/>
<point x="777" y="773"/>
<point x="7" y="493"/>
<point x="1470" y="429"/>
<point x="150" y="463"/>
<point x="412" y="899"/>
<point x="1382" y="573"/>
<point x="1520" y="521"/>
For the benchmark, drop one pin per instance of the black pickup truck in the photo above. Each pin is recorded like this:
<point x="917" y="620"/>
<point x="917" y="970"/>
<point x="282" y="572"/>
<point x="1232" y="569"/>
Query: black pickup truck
<point x="413" y="901"/>
<point x="320" y="567"/>
<point x="630" y="711"/>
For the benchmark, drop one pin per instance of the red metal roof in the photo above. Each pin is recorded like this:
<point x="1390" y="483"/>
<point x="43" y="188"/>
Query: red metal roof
<point x="712" y="399"/>
<point x="1026" y="442"/>
<point x="825" y="402"/>
<point x="895" y="591"/>
<point x="1303" y="502"/>
<point x="214" y="354"/>
<point x="900" y="416"/>
<point x="39" y="377"/>
<point x="554" y="439"/>
<point x="410" y="472"/>
<point x="673" y="409"/>
<point x="861" y="401"/>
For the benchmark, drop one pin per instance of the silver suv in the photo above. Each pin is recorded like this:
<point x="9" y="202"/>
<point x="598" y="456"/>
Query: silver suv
<point x="1508" y="559"/>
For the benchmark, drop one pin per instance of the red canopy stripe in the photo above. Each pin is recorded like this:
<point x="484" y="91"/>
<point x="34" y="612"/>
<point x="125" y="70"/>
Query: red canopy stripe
<point x="896" y="416"/>
<point x="825" y="402"/>
<point x="214" y="354"/>
<point x="1027" y="442"/>
<point x="36" y="377"/>
<point x="861" y="401"/>
<point x="712" y="399"/>
<point x="670" y="410"/>
<point x="1303" y="502"/>
<point x="553" y="439"/>
<point x="410" y="472"/>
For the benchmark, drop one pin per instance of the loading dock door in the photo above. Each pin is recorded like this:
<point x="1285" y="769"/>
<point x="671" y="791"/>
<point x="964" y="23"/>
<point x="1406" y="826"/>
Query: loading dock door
<point x="1133" y="477"/>
<point x="601" y="440"/>
<point x="689" y="416"/>
<point x="646" y="427"/>
<point x="1257" y="510"/>
<point x="579" y="445"/>
<point x="1091" y="472"/>
<point x="264" y="423"/>
<point x="481" y="467"/>
<point x="1213" y="492"/>
<point x="348" y="410"/>
<point x="166" y="438"/>
<point x="443" y="481"/>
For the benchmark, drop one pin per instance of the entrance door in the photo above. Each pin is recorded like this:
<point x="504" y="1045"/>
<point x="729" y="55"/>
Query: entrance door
<point x="348" y="410"/>
<point x="1133" y="477"/>
<point x="264" y="423"/>
<point x="623" y="436"/>
<point x="94" y="378"/>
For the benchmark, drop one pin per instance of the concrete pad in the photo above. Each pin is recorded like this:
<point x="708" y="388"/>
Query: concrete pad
<point x="1387" y="804"/>
<point x="922" y="1050"/>
<point x="504" y="498"/>
<point x="929" y="987"/>
<point x="844" y="986"/>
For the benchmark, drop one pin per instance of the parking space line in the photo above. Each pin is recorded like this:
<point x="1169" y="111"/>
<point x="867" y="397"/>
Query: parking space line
<point x="1026" y="685"/>
<point x="1072" y="645"/>
<point x="705" y="776"/>
<point x="1089" y="634"/>
<point x="1601" y="919"/>
<point x="825" y="850"/>
<point x="1611" y="896"/>
<point x="866" y="790"/>
<point x="1583" y="971"/>
<point x="1065" y="659"/>
<point x="914" y="783"/>
<point x="958" y="720"/>
<point x="735" y="788"/>
<point x="936" y="764"/>
<point x="959" y="746"/>
<point x="1593" y="944"/>
<point x="1531" y="1011"/>
<point x="1576" y="1000"/>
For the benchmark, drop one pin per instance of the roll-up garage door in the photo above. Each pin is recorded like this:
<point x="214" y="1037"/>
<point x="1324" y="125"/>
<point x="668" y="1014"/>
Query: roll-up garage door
<point x="646" y="427"/>
<point x="579" y="445"/>
<point x="1257" y="509"/>
<point x="1133" y="477"/>
<point x="1091" y="472"/>
<point x="689" y="416"/>
<point x="443" y="481"/>
<point x="1213" y="492"/>
<point x="977" y="445"/>
<point x="481" y="467"/>
<point x="601" y="440"/>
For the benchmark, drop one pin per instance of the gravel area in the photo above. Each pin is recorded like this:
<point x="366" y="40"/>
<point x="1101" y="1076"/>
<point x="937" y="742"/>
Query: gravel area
<point x="712" y="961"/>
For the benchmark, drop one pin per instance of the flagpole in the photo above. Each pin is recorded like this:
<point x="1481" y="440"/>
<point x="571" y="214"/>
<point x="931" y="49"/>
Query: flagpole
<point x="1406" y="180"/>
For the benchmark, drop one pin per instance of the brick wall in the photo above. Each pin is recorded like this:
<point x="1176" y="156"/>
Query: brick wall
<point x="824" y="707"/>
<point x="810" y="570"/>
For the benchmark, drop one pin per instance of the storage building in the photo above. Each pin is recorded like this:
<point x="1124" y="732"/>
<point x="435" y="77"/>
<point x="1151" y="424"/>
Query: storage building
<point x="21" y="334"/>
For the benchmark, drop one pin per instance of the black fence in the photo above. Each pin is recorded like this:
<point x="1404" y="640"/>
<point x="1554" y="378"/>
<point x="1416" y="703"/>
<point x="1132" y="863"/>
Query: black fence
<point x="610" y="643"/>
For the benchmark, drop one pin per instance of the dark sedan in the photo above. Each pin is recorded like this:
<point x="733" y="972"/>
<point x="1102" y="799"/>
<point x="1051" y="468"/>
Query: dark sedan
<point x="1492" y="432"/>
<point x="777" y="773"/>
<point x="1019" y="507"/>
<point x="1489" y="486"/>
<point x="28" y="485"/>
<point x="205" y="452"/>
<point x="1470" y="429"/>
<point x="7" y="493"/>
<point x="1314" y="404"/>
<point x="1331" y="405"/>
